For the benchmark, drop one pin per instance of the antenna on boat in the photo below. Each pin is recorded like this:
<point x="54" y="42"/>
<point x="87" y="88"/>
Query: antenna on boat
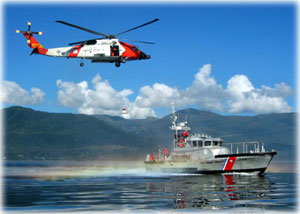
<point x="173" y="117"/>
<point x="173" y="107"/>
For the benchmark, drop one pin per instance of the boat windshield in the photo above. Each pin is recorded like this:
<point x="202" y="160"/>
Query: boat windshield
<point x="194" y="143"/>
<point x="200" y="143"/>
<point x="207" y="143"/>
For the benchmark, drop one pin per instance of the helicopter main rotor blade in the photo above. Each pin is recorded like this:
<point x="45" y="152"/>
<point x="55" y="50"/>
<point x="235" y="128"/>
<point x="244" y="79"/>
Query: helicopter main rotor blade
<point x="81" y="28"/>
<point x="151" y="43"/>
<point x="155" y="20"/>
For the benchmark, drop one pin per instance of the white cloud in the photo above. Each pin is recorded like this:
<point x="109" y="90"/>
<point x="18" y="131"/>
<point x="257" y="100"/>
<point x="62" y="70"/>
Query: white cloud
<point x="203" y="78"/>
<point x="71" y="94"/>
<point x="238" y="85"/>
<point x="204" y="91"/>
<point x="280" y="90"/>
<point x="239" y="96"/>
<point x="159" y="95"/>
<point x="101" y="99"/>
<point x="13" y="94"/>
<point x="243" y="97"/>
<point x="138" y="112"/>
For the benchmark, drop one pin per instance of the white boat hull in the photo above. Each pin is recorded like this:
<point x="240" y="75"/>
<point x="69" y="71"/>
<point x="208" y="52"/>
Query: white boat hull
<point x="246" y="162"/>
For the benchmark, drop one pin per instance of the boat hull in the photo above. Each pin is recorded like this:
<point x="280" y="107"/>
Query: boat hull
<point x="246" y="162"/>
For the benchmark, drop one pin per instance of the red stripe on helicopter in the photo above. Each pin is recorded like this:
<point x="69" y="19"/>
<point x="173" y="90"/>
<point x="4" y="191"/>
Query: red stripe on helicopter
<point x="75" y="51"/>
<point x="229" y="162"/>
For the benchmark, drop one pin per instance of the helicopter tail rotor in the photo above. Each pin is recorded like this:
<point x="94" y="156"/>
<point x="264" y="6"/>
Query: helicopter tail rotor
<point x="31" y="41"/>
<point x="29" y="36"/>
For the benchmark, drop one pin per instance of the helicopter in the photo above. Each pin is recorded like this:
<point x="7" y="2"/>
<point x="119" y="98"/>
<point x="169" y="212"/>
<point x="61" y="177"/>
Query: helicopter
<point x="107" y="48"/>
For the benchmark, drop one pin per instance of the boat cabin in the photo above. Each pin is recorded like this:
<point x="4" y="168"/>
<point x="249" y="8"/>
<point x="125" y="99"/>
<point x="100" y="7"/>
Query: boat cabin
<point x="196" y="142"/>
<point x="200" y="143"/>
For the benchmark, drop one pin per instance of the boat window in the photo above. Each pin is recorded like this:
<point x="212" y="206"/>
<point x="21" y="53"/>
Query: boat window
<point x="188" y="142"/>
<point x="215" y="143"/>
<point x="207" y="143"/>
<point x="194" y="143"/>
<point x="200" y="143"/>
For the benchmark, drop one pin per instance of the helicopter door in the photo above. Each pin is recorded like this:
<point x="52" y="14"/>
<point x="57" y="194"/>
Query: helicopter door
<point x="114" y="50"/>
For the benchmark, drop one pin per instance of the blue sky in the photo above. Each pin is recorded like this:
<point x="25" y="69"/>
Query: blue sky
<point x="251" y="47"/>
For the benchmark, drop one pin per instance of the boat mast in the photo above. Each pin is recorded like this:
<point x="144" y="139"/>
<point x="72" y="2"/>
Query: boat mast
<point x="177" y="127"/>
<point x="174" y="125"/>
<point x="174" y="118"/>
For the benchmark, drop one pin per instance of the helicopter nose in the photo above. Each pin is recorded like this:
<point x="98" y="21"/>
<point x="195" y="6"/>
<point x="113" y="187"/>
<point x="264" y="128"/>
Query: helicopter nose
<point x="144" y="56"/>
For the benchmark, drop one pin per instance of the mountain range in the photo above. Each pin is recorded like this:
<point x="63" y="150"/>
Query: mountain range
<point x="36" y="135"/>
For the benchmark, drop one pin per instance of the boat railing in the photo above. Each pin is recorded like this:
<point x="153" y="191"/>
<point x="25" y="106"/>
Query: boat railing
<point x="157" y="156"/>
<point x="245" y="147"/>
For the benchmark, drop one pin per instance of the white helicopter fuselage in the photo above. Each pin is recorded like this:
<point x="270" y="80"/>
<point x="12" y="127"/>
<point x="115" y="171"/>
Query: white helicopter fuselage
<point x="102" y="50"/>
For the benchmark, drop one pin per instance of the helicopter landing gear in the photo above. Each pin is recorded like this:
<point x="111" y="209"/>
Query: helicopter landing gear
<point x="118" y="64"/>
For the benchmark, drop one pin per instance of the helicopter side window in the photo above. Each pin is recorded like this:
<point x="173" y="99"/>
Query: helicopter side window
<point x="91" y="42"/>
<point x="207" y="143"/>
<point x="194" y="143"/>
<point x="200" y="143"/>
<point x="114" y="50"/>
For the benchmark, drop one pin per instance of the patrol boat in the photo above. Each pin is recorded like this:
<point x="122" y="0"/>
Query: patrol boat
<point x="203" y="154"/>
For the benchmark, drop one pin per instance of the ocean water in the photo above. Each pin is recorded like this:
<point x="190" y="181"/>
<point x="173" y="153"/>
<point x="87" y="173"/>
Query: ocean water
<point x="126" y="186"/>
